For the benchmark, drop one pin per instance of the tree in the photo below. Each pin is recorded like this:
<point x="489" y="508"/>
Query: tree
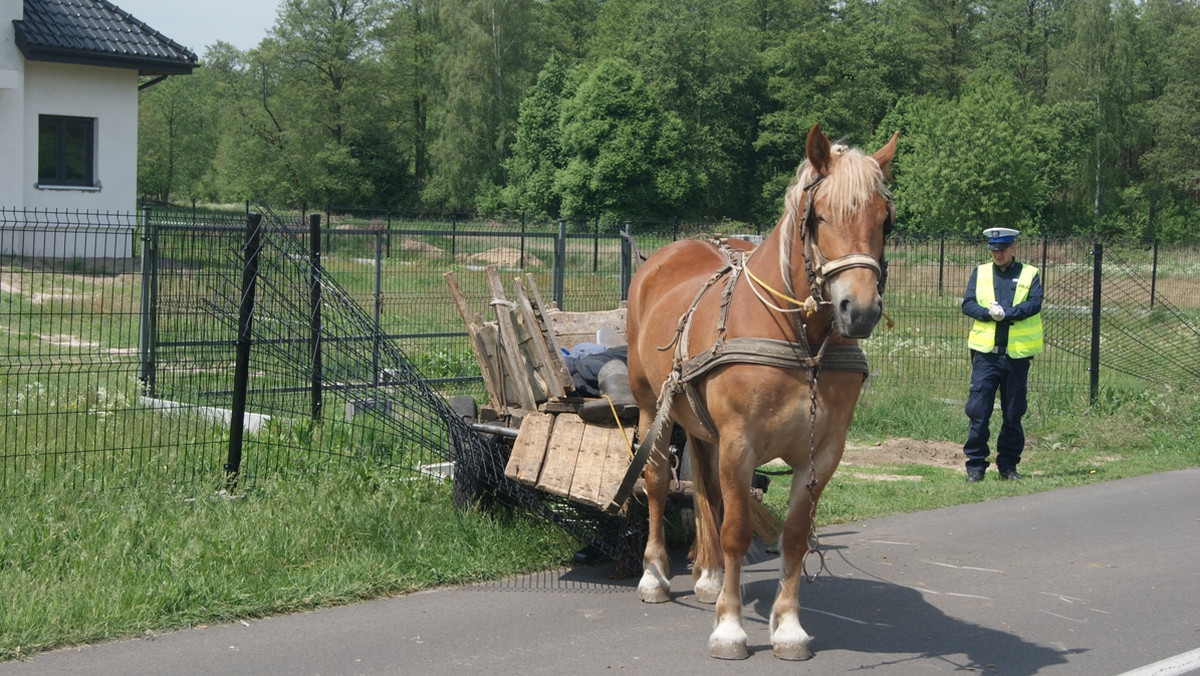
<point x="310" y="129"/>
<point x="939" y="37"/>
<point x="410" y="40"/>
<point x="1175" y="117"/>
<point x="824" y="71"/>
<point x="623" y="153"/>
<point x="1018" y="38"/>
<point x="484" y="66"/>
<point x="977" y="161"/>
<point x="700" y="61"/>
<point x="537" y="153"/>
<point x="177" y="136"/>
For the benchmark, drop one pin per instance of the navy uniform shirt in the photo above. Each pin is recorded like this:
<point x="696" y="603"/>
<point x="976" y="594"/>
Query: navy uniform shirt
<point x="1005" y="284"/>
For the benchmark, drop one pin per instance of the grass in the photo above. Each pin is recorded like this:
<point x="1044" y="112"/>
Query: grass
<point x="137" y="560"/>
<point x="1129" y="432"/>
<point x="89" y="554"/>
<point x="143" y="556"/>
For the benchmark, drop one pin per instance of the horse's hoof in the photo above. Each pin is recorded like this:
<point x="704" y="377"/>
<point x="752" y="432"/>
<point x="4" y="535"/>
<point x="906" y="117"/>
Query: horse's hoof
<point x="708" y="588"/>
<point x="728" y="650"/>
<point x="653" y="595"/>
<point x="795" y="652"/>
<point x="654" y="587"/>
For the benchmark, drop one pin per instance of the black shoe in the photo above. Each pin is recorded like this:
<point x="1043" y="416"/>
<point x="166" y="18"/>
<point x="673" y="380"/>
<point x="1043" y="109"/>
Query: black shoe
<point x="974" y="475"/>
<point x="1010" y="475"/>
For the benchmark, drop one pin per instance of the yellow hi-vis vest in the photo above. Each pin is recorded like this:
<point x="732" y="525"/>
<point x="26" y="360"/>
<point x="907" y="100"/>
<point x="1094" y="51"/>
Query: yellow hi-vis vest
<point x="1025" y="335"/>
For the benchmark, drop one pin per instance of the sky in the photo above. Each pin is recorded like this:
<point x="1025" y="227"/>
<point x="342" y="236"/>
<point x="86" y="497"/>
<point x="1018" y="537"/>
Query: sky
<point x="196" y="24"/>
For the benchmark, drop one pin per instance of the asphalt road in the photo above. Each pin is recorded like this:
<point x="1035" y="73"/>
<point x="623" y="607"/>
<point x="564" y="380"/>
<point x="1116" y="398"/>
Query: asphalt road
<point x="1094" y="580"/>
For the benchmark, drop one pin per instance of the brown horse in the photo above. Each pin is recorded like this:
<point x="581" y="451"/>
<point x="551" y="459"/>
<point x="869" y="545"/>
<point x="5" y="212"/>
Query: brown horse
<point x="721" y="344"/>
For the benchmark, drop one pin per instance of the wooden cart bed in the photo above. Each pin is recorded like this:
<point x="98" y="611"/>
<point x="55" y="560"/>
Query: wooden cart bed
<point x="520" y="357"/>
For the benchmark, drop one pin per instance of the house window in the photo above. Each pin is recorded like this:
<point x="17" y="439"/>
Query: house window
<point x="66" y="150"/>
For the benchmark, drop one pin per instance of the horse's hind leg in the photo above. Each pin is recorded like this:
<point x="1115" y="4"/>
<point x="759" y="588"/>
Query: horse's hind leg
<point x="789" y="641"/>
<point x="655" y="585"/>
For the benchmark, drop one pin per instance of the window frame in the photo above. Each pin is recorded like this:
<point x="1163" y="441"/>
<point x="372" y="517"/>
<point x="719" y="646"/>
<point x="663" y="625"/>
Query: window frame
<point x="64" y="155"/>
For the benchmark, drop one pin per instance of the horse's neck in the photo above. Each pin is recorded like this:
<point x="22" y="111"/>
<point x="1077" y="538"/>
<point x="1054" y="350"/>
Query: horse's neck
<point x="767" y="265"/>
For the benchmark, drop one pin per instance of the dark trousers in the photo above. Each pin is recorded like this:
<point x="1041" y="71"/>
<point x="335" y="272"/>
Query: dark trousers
<point x="990" y="372"/>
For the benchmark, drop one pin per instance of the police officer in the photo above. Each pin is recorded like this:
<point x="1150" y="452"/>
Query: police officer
<point x="1004" y="297"/>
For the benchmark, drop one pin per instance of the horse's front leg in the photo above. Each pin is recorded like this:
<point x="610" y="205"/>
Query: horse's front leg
<point x="655" y="585"/>
<point x="728" y="639"/>
<point x="788" y="639"/>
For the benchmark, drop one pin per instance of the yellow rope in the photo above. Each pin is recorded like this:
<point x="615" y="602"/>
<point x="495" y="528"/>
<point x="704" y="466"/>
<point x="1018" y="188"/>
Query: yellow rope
<point x="613" y="407"/>
<point x="809" y="305"/>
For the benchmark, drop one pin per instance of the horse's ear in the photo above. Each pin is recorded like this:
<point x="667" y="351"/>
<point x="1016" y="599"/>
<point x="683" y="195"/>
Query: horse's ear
<point x="818" y="151"/>
<point x="887" y="153"/>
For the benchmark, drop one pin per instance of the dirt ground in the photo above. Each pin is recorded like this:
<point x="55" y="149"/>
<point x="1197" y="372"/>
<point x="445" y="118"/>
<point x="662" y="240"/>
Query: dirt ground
<point x="902" y="451"/>
<point x="899" y="451"/>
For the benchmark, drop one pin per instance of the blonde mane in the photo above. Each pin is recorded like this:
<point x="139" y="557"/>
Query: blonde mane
<point x="854" y="178"/>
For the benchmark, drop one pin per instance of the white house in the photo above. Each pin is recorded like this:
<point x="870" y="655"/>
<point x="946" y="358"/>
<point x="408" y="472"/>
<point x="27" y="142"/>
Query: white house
<point x="70" y="71"/>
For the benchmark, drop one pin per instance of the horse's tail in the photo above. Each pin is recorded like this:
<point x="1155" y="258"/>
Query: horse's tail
<point x="706" y="550"/>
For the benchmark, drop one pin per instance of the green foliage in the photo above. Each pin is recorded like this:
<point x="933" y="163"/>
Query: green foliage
<point x="145" y="555"/>
<point x="1061" y="116"/>
<point x="623" y="152"/>
<point x="977" y="161"/>
<point x="537" y="149"/>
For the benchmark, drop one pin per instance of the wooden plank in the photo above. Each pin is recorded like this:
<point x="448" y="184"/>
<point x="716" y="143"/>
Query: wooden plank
<point x="492" y="380"/>
<point x="589" y="469"/>
<point x="543" y="360"/>
<point x="529" y="449"/>
<point x="617" y="459"/>
<point x="561" y="455"/>
<point x="558" y="365"/>
<point x="572" y="328"/>
<point x="532" y="355"/>
<point x="488" y="338"/>
<point x="508" y="342"/>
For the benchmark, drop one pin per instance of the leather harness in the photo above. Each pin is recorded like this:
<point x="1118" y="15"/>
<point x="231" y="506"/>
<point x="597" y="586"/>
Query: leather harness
<point x="765" y="351"/>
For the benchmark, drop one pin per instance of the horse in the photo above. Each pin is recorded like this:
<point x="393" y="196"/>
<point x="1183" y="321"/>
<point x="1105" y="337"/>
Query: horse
<point x="720" y="345"/>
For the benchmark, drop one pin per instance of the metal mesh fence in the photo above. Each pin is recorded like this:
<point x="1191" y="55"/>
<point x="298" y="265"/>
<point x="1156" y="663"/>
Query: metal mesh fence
<point x="120" y="338"/>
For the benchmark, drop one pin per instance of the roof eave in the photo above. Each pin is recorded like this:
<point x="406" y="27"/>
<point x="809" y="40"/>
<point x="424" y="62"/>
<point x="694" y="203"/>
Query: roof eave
<point x="144" y="65"/>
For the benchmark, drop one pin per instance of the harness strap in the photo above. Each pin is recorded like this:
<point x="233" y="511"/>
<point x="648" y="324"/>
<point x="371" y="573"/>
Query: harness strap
<point x="777" y="353"/>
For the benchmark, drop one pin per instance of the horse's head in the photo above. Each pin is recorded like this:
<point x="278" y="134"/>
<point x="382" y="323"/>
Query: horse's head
<point x="844" y="210"/>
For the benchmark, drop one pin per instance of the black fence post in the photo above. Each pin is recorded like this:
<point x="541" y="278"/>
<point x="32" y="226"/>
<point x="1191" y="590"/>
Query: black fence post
<point x="522" y="259"/>
<point x="941" y="263"/>
<point x="560" y="264"/>
<point x="149" y="301"/>
<point x="1154" y="274"/>
<point x="314" y="303"/>
<point x="596" y="244"/>
<point x="328" y="231"/>
<point x="377" y="314"/>
<point x="1094" y="361"/>
<point x="626" y="259"/>
<point x="241" y="369"/>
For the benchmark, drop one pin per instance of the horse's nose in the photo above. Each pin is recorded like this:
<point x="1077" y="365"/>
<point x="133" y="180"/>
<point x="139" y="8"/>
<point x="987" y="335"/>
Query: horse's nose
<point x="858" y="319"/>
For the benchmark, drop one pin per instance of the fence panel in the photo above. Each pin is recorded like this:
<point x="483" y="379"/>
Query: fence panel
<point x="124" y="358"/>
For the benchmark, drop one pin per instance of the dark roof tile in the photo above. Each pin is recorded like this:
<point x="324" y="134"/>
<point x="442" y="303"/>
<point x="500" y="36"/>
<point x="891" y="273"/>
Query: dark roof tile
<point x="97" y="32"/>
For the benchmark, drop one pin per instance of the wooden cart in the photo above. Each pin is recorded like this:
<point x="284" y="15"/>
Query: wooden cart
<point x="520" y="355"/>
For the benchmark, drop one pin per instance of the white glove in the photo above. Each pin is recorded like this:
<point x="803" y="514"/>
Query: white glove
<point x="996" y="312"/>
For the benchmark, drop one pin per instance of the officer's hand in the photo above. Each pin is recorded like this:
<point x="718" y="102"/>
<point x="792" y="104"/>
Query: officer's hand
<point x="996" y="312"/>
